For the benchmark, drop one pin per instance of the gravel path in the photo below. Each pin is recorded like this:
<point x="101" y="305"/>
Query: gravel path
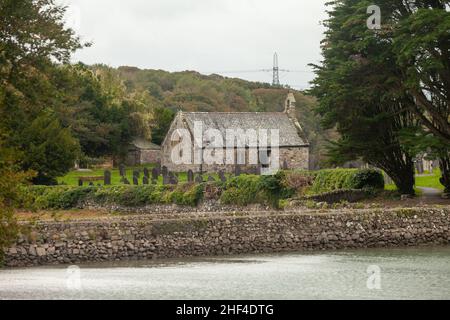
<point x="430" y="192"/>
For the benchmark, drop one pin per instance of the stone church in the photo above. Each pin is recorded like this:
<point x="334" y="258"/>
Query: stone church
<point x="293" y="151"/>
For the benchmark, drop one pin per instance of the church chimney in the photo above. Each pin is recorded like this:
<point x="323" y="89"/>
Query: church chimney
<point x="290" y="106"/>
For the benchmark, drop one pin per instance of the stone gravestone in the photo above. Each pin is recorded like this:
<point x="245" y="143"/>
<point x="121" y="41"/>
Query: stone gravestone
<point x="285" y="165"/>
<point x="136" y="175"/>
<point x="190" y="176"/>
<point x="173" y="178"/>
<point x="155" y="174"/>
<point x="146" y="173"/>
<point x="164" y="171"/>
<point x="211" y="179"/>
<point x="419" y="166"/>
<point x="222" y="176"/>
<point x="199" y="179"/>
<point x="237" y="171"/>
<point x="122" y="170"/>
<point x="166" y="179"/>
<point x="145" y="180"/>
<point x="107" y="178"/>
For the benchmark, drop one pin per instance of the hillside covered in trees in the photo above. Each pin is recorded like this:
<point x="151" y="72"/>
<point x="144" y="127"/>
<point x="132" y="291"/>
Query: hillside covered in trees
<point x="191" y="91"/>
<point x="54" y="113"/>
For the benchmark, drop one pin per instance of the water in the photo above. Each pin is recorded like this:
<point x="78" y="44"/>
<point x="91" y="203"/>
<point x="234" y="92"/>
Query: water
<point x="420" y="273"/>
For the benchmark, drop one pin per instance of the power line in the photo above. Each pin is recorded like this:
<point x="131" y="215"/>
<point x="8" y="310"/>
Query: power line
<point x="259" y="70"/>
<point x="276" y="71"/>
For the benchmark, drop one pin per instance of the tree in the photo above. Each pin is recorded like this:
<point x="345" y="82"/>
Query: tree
<point x="420" y="142"/>
<point x="419" y="32"/>
<point x="421" y="41"/>
<point x="97" y="109"/>
<point x="10" y="195"/>
<point x="163" y="118"/>
<point x="51" y="149"/>
<point x="32" y="40"/>
<point x="356" y="95"/>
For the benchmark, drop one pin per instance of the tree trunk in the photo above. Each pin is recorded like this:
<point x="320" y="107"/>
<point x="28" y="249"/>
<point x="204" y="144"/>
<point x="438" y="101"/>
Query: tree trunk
<point x="402" y="172"/>
<point x="445" y="170"/>
<point x="405" y="186"/>
<point x="405" y="181"/>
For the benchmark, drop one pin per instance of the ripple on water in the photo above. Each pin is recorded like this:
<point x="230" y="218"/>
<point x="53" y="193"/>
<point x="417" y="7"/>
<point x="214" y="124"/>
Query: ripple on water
<point x="417" y="273"/>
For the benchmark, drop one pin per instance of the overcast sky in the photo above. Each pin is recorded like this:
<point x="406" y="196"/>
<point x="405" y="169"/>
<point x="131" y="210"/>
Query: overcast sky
<point x="209" y="36"/>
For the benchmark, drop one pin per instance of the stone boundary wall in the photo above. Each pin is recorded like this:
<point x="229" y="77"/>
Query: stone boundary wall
<point x="210" y="206"/>
<point x="140" y="237"/>
<point x="338" y="196"/>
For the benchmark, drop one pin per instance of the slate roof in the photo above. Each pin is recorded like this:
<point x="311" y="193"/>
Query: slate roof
<point x="290" y="134"/>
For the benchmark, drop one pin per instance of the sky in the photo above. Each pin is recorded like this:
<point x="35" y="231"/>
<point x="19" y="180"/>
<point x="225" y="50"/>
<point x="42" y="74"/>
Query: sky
<point x="235" y="38"/>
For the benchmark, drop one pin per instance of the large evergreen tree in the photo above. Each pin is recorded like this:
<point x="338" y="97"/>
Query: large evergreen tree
<point x="420" y="35"/>
<point x="357" y="94"/>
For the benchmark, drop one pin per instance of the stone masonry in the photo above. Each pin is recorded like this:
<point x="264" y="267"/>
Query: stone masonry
<point x="142" y="237"/>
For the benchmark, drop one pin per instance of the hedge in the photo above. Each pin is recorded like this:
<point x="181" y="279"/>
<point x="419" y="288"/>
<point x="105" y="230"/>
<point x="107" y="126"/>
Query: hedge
<point x="242" y="191"/>
<point x="338" y="179"/>
<point x="248" y="189"/>
<point x="64" y="197"/>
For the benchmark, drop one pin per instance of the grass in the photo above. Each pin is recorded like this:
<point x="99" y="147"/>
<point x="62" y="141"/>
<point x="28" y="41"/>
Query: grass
<point x="431" y="181"/>
<point x="393" y="187"/>
<point x="71" y="179"/>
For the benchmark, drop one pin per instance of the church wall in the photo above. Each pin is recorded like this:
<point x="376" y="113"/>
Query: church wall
<point x="295" y="158"/>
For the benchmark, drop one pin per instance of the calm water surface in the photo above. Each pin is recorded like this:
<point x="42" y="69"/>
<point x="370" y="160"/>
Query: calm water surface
<point x="405" y="274"/>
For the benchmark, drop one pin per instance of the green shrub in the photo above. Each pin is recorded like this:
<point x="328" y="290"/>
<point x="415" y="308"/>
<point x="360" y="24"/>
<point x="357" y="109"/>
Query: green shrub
<point x="337" y="179"/>
<point x="59" y="197"/>
<point x="63" y="197"/>
<point x="109" y="194"/>
<point x="251" y="189"/>
<point x="368" y="179"/>
<point x="242" y="190"/>
<point x="193" y="195"/>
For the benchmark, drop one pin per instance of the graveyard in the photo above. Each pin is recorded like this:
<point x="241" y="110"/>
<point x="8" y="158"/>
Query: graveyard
<point x="427" y="180"/>
<point x="153" y="189"/>
<point x="134" y="175"/>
